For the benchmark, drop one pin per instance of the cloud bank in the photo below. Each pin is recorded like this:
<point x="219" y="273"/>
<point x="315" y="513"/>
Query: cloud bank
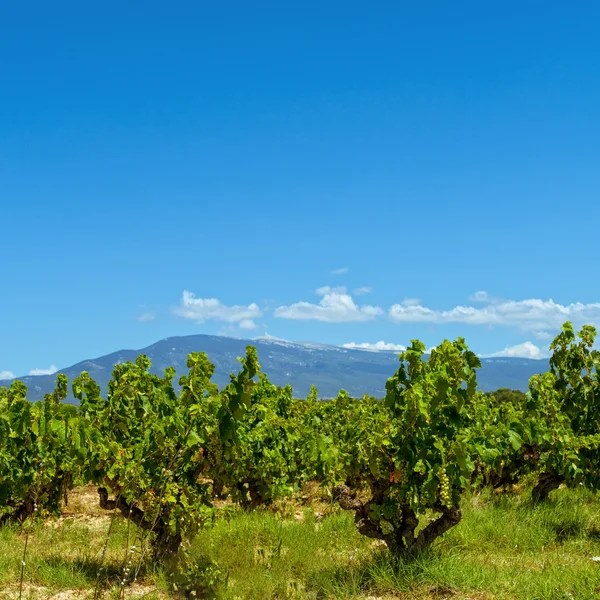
<point x="49" y="371"/>
<point x="524" y="350"/>
<point x="530" y="315"/>
<point x="536" y="317"/>
<point x="334" y="307"/>
<point x="212" y="309"/>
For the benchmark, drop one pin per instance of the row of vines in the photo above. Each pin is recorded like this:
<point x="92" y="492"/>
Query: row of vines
<point x="401" y="464"/>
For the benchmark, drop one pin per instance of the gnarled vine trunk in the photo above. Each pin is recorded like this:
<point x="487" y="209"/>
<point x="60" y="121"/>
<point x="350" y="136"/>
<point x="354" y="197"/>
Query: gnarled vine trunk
<point x="402" y="541"/>
<point x="547" y="482"/>
<point x="21" y="510"/>
<point x="164" y="544"/>
<point x="51" y="494"/>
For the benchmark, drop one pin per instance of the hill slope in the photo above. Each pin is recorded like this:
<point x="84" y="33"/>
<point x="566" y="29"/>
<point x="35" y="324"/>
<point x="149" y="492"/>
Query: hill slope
<point x="330" y="368"/>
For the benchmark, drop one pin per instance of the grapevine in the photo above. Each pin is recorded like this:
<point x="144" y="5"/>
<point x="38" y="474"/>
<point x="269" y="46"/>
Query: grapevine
<point x="164" y="454"/>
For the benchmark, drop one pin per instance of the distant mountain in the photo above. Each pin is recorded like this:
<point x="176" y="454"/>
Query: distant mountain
<point x="329" y="368"/>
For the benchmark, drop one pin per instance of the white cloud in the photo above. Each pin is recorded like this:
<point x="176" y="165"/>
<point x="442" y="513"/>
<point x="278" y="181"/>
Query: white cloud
<point x="4" y="375"/>
<point x="362" y="290"/>
<point x="341" y="271"/>
<point x="49" y="371"/>
<point x="531" y="315"/>
<point x="401" y="313"/>
<point x="147" y="316"/>
<point x="524" y="350"/>
<point x="211" y="309"/>
<point x="322" y="291"/>
<point x="334" y="307"/>
<point x="376" y="347"/>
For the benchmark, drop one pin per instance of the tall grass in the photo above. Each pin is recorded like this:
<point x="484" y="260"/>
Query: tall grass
<point x="65" y="556"/>
<point x="504" y="548"/>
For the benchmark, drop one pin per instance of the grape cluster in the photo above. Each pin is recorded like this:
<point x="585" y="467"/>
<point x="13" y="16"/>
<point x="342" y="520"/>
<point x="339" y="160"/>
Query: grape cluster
<point x="445" y="495"/>
<point x="215" y="450"/>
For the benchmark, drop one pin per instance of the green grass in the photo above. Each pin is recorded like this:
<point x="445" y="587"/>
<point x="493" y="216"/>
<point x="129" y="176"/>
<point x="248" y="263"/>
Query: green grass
<point x="504" y="548"/>
<point x="64" y="556"/>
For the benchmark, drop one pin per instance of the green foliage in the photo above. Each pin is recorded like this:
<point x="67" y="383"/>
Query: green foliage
<point x="567" y="401"/>
<point x="506" y="396"/>
<point x="262" y="466"/>
<point x="41" y="450"/>
<point x="431" y="411"/>
<point x="162" y="456"/>
<point x="254" y="456"/>
<point x="556" y="425"/>
<point x="338" y="439"/>
<point x="148" y="446"/>
<point x="425" y="453"/>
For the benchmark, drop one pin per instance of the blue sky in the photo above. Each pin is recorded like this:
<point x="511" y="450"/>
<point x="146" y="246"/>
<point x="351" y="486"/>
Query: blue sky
<point x="340" y="172"/>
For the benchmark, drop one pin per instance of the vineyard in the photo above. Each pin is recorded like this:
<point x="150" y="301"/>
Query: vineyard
<point x="179" y="472"/>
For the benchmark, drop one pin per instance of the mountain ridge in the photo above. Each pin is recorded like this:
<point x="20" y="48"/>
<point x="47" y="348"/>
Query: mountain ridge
<point x="330" y="368"/>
